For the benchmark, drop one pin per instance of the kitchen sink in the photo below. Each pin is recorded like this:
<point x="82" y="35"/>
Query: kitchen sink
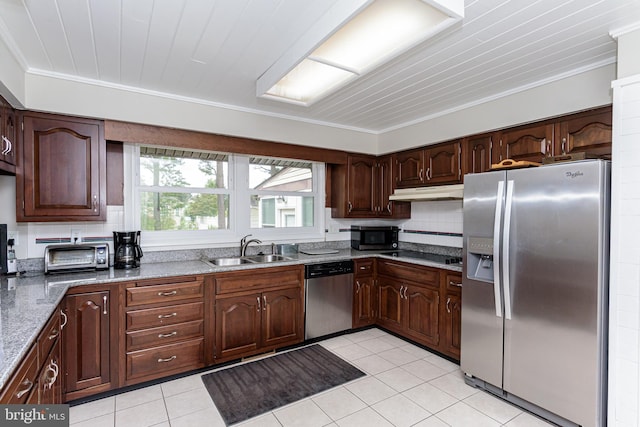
<point x="231" y="261"/>
<point x="267" y="258"/>
<point x="252" y="259"/>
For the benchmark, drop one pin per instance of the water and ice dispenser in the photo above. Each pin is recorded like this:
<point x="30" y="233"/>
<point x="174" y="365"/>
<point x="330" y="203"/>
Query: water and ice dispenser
<point x="480" y="258"/>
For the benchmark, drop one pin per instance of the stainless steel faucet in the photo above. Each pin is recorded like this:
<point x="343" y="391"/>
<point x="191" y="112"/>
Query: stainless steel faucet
<point x="244" y="243"/>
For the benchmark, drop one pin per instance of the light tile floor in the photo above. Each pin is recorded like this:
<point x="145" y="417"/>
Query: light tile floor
<point x="405" y="386"/>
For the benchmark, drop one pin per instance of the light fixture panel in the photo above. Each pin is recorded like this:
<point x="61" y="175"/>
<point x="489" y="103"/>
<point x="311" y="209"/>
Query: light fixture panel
<point x="379" y="32"/>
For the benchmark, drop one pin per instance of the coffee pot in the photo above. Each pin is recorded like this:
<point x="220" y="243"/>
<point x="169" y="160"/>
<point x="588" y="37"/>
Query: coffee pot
<point x="126" y="248"/>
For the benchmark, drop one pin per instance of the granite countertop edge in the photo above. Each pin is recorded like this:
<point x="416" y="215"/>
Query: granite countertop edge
<point x="49" y="290"/>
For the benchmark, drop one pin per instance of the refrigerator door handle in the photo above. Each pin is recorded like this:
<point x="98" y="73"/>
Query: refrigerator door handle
<point x="505" y="249"/>
<point x="496" y="249"/>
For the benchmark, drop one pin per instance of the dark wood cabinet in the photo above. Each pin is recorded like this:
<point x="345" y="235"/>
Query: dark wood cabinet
<point x="531" y="143"/>
<point x="258" y="311"/>
<point x="433" y="165"/>
<point x="588" y="132"/>
<point x="451" y="314"/>
<point x="364" y="293"/>
<point x="480" y="152"/>
<point x="164" y="327"/>
<point x="63" y="169"/>
<point x="409" y="301"/>
<point x="87" y="344"/>
<point x="8" y="138"/>
<point x="361" y="189"/>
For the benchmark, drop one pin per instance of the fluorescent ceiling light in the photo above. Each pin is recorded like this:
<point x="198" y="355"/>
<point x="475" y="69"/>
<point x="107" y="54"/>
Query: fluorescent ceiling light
<point x="382" y="30"/>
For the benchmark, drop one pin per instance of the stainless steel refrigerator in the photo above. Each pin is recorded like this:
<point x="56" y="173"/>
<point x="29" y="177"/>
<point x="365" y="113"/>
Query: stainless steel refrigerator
<point x="535" y="288"/>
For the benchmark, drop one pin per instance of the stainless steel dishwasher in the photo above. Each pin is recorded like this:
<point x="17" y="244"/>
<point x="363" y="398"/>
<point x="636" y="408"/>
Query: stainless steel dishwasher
<point x="328" y="298"/>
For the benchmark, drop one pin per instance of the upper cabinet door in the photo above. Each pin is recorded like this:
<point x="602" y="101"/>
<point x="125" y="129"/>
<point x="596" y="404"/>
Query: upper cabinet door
<point x="63" y="174"/>
<point x="481" y="153"/>
<point x="362" y="172"/>
<point x="589" y="132"/>
<point x="410" y="168"/>
<point x="529" y="144"/>
<point x="442" y="164"/>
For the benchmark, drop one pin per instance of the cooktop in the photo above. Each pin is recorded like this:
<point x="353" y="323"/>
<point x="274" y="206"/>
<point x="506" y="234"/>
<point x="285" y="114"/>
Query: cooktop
<point x="441" y="259"/>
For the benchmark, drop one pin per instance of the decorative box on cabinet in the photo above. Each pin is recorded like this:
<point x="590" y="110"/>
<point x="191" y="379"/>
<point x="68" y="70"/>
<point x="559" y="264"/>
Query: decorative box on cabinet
<point x="63" y="169"/>
<point x="164" y="327"/>
<point x="258" y="311"/>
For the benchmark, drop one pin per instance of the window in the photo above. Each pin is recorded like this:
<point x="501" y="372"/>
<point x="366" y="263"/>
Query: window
<point x="183" y="190"/>
<point x="276" y="186"/>
<point x="193" y="198"/>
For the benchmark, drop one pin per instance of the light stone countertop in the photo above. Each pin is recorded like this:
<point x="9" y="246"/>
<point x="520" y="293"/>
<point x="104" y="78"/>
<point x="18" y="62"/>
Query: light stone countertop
<point x="28" y="301"/>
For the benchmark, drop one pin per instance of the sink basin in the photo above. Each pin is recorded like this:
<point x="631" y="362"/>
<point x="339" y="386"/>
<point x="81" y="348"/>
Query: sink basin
<point x="231" y="261"/>
<point x="253" y="259"/>
<point x="267" y="258"/>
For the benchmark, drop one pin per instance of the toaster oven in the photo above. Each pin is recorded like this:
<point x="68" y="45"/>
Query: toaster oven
<point x="63" y="258"/>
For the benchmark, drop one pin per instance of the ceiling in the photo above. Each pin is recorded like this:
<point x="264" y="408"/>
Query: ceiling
<point x="214" y="51"/>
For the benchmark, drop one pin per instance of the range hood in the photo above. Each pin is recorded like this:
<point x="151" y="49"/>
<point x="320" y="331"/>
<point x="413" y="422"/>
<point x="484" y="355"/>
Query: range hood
<point x="441" y="192"/>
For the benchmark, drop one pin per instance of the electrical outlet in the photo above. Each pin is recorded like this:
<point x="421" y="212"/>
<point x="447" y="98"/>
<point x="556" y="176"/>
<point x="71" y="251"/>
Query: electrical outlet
<point x="76" y="236"/>
<point x="13" y="235"/>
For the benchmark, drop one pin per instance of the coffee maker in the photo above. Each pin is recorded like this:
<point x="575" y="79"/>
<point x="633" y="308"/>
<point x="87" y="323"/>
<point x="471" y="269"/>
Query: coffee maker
<point x="126" y="249"/>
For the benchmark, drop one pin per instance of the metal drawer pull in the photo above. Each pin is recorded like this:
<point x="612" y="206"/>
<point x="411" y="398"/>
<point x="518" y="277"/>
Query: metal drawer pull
<point x="358" y="286"/>
<point x="169" y="359"/>
<point x="29" y="385"/>
<point x="264" y="306"/>
<point x="65" y="319"/>
<point x="452" y="283"/>
<point x="168" y="335"/>
<point x="258" y="299"/>
<point x="54" y="334"/>
<point x="363" y="267"/>
<point x="448" y="301"/>
<point x="104" y="304"/>
<point x="167" y="294"/>
<point x="165" y="316"/>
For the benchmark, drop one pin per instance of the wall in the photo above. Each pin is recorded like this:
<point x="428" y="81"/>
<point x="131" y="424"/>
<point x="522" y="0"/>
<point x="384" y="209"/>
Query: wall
<point x="624" y="316"/>
<point x="86" y="98"/>
<point x="575" y="93"/>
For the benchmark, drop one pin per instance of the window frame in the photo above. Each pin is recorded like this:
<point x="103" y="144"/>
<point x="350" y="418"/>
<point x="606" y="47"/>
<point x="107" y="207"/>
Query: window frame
<point x="239" y="218"/>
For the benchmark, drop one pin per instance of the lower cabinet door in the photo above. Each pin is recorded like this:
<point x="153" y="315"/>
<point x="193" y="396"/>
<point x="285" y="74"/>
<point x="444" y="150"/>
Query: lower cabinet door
<point x="161" y="361"/>
<point x="453" y="323"/>
<point x="86" y="341"/>
<point x="390" y="301"/>
<point x="238" y="321"/>
<point x="422" y="314"/>
<point x="363" y="302"/>
<point x="282" y="317"/>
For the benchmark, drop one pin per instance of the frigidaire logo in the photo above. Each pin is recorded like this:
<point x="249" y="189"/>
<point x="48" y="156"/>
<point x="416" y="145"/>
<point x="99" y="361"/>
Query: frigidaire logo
<point x="574" y="174"/>
<point x="34" y="415"/>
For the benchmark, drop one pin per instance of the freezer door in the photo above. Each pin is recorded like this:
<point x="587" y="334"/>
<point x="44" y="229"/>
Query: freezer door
<point x="482" y="308"/>
<point x="555" y="229"/>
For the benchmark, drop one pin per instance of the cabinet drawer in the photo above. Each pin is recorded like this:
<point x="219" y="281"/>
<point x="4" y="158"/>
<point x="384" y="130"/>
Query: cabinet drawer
<point x="159" y="361"/>
<point x="138" y="340"/>
<point x="363" y="267"/>
<point x="23" y="382"/>
<point x="49" y="335"/>
<point x="414" y="273"/>
<point x="453" y="282"/>
<point x="162" y="316"/>
<point x="263" y="278"/>
<point x="167" y="293"/>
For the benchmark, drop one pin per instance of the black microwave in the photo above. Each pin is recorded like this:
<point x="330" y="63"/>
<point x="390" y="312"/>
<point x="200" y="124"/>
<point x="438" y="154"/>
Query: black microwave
<point x="365" y="238"/>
